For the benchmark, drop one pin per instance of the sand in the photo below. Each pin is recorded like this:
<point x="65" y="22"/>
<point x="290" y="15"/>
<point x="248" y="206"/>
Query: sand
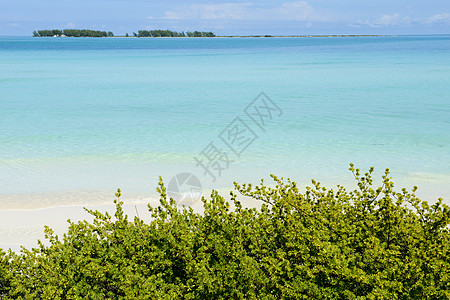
<point x="23" y="216"/>
<point x="22" y="221"/>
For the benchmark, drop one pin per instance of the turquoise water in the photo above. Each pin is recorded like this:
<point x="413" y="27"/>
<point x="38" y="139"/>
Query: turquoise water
<point x="83" y="114"/>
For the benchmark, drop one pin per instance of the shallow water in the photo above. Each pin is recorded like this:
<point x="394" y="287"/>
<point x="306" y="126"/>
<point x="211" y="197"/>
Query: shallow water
<point x="82" y="114"/>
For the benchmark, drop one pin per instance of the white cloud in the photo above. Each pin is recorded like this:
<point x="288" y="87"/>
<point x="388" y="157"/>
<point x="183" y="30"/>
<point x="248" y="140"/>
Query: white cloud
<point x="99" y="27"/>
<point x="233" y="11"/>
<point x="71" y="25"/>
<point x="398" y="20"/>
<point x="439" y="18"/>
<point x="388" y="20"/>
<point x="299" y="10"/>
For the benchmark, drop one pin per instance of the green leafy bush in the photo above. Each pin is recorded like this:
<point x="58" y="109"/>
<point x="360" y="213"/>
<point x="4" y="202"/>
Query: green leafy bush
<point x="371" y="243"/>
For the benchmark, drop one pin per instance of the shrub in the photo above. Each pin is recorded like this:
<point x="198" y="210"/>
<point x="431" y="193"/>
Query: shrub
<point x="372" y="243"/>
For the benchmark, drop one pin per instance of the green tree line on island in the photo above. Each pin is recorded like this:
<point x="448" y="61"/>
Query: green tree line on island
<point x="369" y="243"/>
<point x="170" y="33"/>
<point x="72" y="33"/>
<point x="141" y="33"/>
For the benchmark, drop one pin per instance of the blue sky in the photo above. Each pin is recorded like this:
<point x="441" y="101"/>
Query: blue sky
<point x="21" y="17"/>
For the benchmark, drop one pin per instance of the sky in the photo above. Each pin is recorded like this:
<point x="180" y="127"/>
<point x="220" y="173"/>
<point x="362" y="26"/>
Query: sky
<point x="229" y="17"/>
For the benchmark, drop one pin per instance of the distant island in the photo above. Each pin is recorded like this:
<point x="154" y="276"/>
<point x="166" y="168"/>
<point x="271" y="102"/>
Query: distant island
<point x="170" y="33"/>
<point x="304" y="36"/>
<point x="167" y="33"/>
<point x="72" y="33"/>
<point x="141" y="33"/>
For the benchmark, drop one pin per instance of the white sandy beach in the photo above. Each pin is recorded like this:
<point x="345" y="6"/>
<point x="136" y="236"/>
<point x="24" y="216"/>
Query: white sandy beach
<point x="24" y="226"/>
<point x="23" y="217"/>
<point x="22" y="221"/>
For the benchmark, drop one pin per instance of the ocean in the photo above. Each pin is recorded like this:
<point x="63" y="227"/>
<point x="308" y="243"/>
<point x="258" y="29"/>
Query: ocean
<point x="81" y="117"/>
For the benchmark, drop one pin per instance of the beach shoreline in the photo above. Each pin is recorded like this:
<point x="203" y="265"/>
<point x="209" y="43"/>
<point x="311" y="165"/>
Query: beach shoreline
<point x="23" y="227"/>
<point x="22" y="222"/>
<point x="37" y="201"/>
